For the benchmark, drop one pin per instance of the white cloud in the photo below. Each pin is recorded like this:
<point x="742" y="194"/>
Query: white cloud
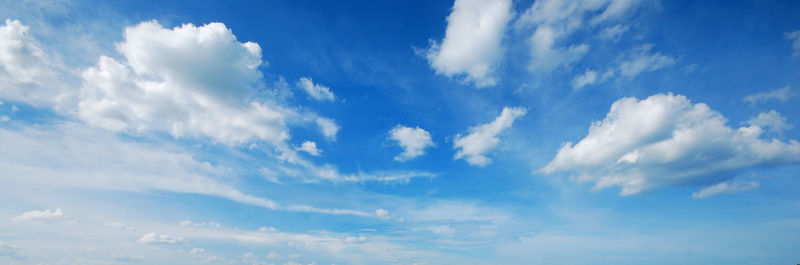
<point x="473" y="41"/>
<point x="642" y="60"/>
<point x="187" y="81"/>
<point x="781" y="94"/>
<point x="383" y="214"/>
<point x="772" y="121"/>
<point x="554" y="21"/>
<point x="316" y="91"/>
<point x="328" y="127"/>
<point x="43" y="216"/>
<point x="612" y="33"/>
<point x="725" y="188"/>
<point x="153" y="238"/>
<point x="795" y="36"/>
<point x="442" y="229"/>
<point x="482" y="138"/>
<point x="413" y="140"/>
<point x="4" y="118"/>
<point x="200" y="224"/>
<point x="310" y="148"/>
<point x="27" y="73"/>
<point x="8" y="250"/>
<point x="666" y="140"/>
<point x="587" y="78"/>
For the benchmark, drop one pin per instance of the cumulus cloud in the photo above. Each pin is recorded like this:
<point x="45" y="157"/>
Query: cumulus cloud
<point x="316" y="91"/>
<point x="310" y="148"/>
<point x="153" y="238"/>
<point x="553" y="21"/>
<point x="772" y="121"/>
<point x="196" y="81"/>
<point x="781" y="94"/>
<point x="795" y="36"/>
<point x="43" y="216"/>
<point x="473" y="41"/>
<point x="328" y="127"/>
<point x="413" y="140"/>
<point x="483" y="138"/>
<point x="666" y="140"/>
<point x="643" y="60"/>
<point x="725" y="188"/>
<point x="27" y="73"/>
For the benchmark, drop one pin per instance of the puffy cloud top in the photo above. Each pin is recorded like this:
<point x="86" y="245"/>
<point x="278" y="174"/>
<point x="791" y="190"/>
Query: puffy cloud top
<point x="483" y="138"/>
<point x="413" y="140"/>
<point x="663" y="140"/>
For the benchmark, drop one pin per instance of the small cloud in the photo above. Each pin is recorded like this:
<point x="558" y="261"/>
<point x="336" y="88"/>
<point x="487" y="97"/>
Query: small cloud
<point x="781" y="94"/>
<point x="4" y="118"/>
<point x="587" y="78"/>
<point x="795" y="36"/>
<point x="772" y="121"/>
<point x="642" y="60"/>
<point x="44" y="216"/>
<point x="725" y="188"/>
<point x="310" y="148"/>
<point x="383" y="214"/>
<point x="129" y="259"/>
<point x="11" y="251"/>
<point x="187" y="223"/>
<point x="153" y="238"/>
<point x="316" y="91"/>
<point x="328" y="127"/>
<point x="413" y="140"/>
<point x="483" y="138"/>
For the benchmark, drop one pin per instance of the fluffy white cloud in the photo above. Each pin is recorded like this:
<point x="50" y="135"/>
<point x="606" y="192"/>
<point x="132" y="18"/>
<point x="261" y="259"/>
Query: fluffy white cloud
<point x="772" y="121"/>
<point x="26" y="72"/>
<point x="587" y="78"/>
<point x="310" y="148"/>
<point x="413" y="140"/>
<point x="473" y="40"/>
<point x="666" y="140"/>
<point x="642" y="60"/>
<point x="781" y="94"/>
<point x="43" y="216"/>
<point x="555" y="20"/>
<point x="316" y="91"/>
<point x="188" y="81"/>
<point x="724" y="188"/>
<point x="153" y="238"/>
<point x="795" y="36"/>
<point x="482" y="138"/>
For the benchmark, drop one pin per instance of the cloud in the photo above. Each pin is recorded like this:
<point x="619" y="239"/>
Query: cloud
<point x="196" y="81"/>
<point x="554" y="21"/>
<point x="612" y="33"/>
<point x="795" y="36"/>
<point x="483" y="138"/>
<point x="642" y="60"/>
<point x="383" y="214"/>
<point x="310" y="148"/>
<point x="27" y="73"/>
<point x="316" y="91"/>
<point x="153" y="238"/>
<point x="724" y="188"/>
<point x="43" y="216"/>
<point x="328" y="127"/>
<point x="781" y="94"/>
<point x="772" y="121"/>
<point x="473" y="41"/>
<point x="129" y="259"/>
<point x="200" y="224"/>
<point x="588" y="78"/>
<point x="666" y="140"/>
<point x="413" y="140"/>
<point x="8" y="250"/>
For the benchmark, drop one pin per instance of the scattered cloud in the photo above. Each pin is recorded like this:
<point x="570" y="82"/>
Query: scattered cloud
<point x="310" y="148"/>
<point x="772" y="121"/>
<point x="612" y="33"/>
<point x="153" y="238"/>
<point x="795" y="37"/>
<point x="413" y="140"/>
<point x="43" y="216"/>
<point x="725" y="188"/>
<point x="554" y="21"/>
<point x="188" y="223"/>
<point x="316" y="91"/>
<point x="9" y="250"/>
<point x="587" y="78"/>
<point x="781" y="94"/>
<point x="27" y="73"/>
<point x="129" y="259"/>
<point x="473" y="41"/>
<point x="665" y="140"/>
<point x="328" y="127"/>
<point x="483" y="138"/>
<point x="642" y="60"/>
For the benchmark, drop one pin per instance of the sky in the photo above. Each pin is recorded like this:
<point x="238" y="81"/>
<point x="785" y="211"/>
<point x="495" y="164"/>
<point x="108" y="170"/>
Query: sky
<point x="399" y="132"/>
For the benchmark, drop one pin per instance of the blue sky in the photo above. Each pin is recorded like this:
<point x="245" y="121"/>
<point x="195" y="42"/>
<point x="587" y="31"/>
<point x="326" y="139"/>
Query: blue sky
<point x="429" y="132"/>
